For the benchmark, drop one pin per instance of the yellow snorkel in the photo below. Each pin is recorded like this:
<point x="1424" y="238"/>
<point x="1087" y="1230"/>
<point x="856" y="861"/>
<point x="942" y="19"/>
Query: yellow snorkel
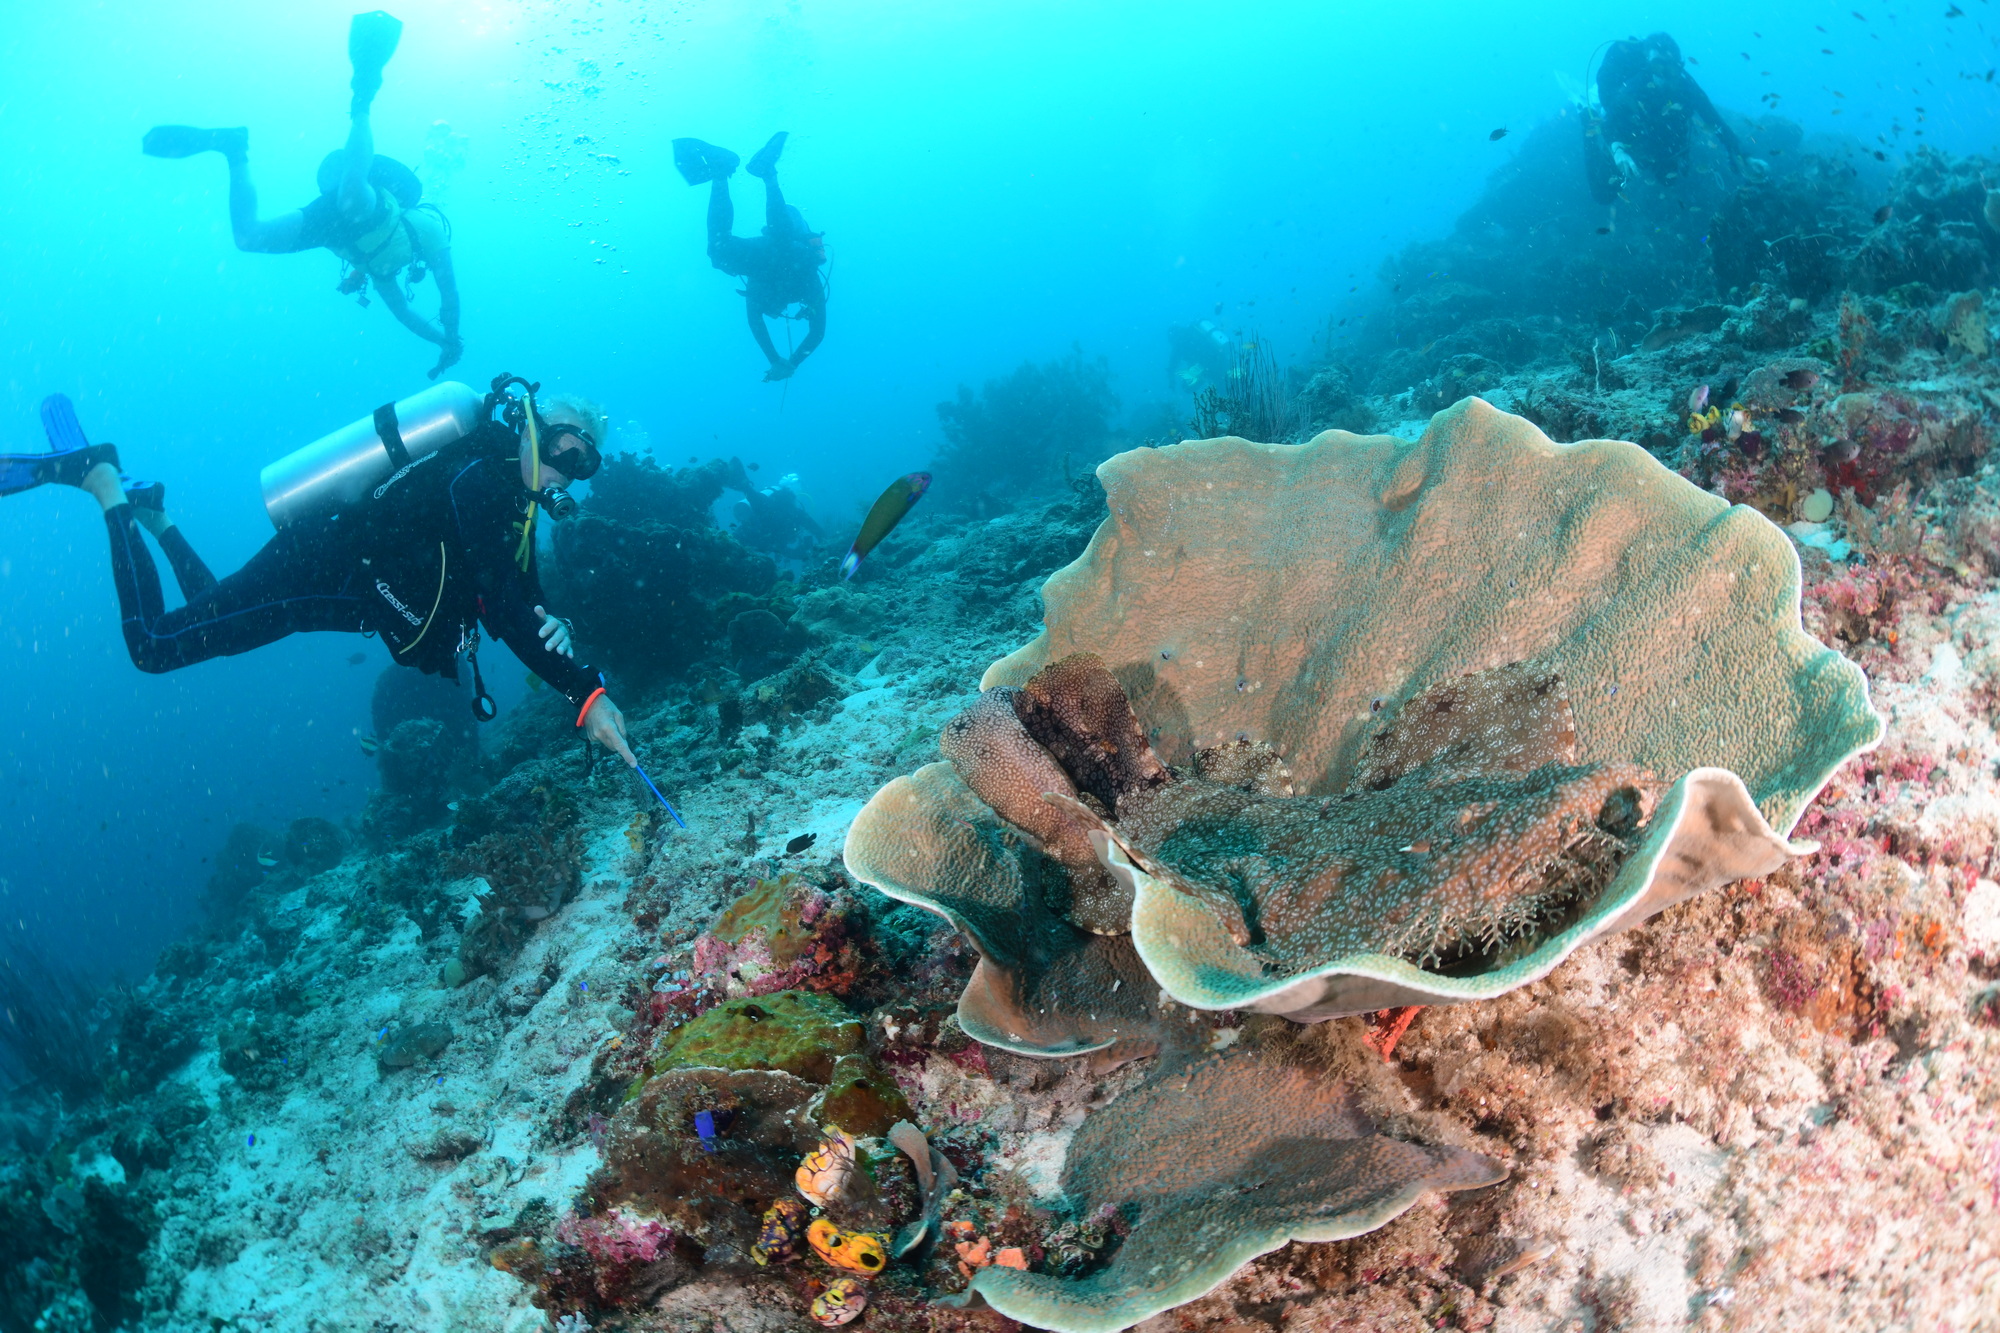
<point x="526" y="552"/>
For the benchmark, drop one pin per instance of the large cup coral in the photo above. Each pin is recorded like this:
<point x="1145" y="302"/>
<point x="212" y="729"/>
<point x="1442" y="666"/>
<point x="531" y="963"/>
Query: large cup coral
<point x="1313" y="599"/>
<point x="1336" y="727"/>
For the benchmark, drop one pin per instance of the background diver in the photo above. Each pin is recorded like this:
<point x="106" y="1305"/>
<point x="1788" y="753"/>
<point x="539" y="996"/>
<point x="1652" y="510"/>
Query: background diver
<point x="1642" y="106"/>
<point x="780" y="268"/>
<point x="452" y="531"/>
<point x="771" y="519"/>
<point x="370" y="211"/>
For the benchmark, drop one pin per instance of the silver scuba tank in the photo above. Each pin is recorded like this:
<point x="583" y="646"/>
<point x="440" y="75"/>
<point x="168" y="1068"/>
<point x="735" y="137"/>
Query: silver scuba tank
<point x="339" y="468"/>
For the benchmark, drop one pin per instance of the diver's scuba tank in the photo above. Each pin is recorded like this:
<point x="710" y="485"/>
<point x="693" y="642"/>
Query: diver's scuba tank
<point x="339" y="468"/>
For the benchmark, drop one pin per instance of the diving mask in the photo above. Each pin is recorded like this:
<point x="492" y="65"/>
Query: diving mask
<point x="578" y="462"/>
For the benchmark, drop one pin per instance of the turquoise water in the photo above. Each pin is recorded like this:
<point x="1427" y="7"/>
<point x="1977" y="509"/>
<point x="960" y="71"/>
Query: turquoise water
<point x="996" y="183"/>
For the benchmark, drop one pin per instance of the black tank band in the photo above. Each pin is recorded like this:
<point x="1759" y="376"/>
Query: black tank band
<point x="391" y="435"/>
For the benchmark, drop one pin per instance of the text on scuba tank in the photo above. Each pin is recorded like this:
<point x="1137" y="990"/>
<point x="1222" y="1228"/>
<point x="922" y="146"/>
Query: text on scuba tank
<point x="402" y="472"/>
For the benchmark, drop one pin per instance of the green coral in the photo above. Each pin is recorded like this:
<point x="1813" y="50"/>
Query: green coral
<point x="800" y="1032"/>
<point x="861" y="1099"/>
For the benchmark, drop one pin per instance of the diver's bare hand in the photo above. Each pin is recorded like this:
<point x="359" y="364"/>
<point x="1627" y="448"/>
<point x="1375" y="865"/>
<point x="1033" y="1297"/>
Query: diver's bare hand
<point x="453" y="350"/>
<point x="606" y="725"/>
<point x="780" y="370"/>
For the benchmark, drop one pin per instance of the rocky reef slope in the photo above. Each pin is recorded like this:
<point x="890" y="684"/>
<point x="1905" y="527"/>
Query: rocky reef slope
<point x="516" y="1049"/>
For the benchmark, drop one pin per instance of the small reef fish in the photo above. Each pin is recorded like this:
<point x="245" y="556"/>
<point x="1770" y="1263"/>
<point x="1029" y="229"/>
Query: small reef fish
<point x="356" y="659"/>
<point x="534" y="683"/>
<point x="369" y="745"/>
<point x="1698" y="399"/>
<point x="822" y="1176"/>
<point x="266" y="860"/>
<point x="841" y="1303"/>
<point x="800" y="843"/>
<point x="1801" y="380"/>
<point x="778" y="1235"/>
<point x="855" y="1251"/>
<point x="1497" y="135"/>
<point x="883" y="516"/>
<point x="1884" y="213"/>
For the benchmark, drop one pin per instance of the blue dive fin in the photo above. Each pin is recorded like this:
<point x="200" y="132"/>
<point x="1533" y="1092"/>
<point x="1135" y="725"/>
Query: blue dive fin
<point x="70" y="454"/>
<point x="59" y="423"/>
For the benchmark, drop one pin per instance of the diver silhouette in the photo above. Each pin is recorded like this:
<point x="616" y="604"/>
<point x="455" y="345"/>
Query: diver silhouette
<point x="1643" y="104"/>
<point x="370" y="211"/>
<point x="781" y="267"/>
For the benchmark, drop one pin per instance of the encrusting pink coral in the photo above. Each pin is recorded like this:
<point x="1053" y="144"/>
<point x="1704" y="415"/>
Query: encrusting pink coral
<point x="618" y="1239"/>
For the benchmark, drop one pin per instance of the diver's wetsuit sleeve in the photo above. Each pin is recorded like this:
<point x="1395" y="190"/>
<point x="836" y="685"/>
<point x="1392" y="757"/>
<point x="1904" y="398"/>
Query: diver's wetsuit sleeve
<point x="487" y="504"/>
<point x="1703" y="109"/>
<point x="815" y="330"/>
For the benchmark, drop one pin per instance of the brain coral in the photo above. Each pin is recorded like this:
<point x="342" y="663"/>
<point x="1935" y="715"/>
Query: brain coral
<point x="1295" y="597"/>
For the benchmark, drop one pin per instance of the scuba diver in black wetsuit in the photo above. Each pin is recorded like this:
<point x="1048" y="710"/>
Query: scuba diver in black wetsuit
<point x="1641" y="109"/>
<point x="780" y="268"/>
<point x="442" y="546"/>
<point x="369" y="211"/>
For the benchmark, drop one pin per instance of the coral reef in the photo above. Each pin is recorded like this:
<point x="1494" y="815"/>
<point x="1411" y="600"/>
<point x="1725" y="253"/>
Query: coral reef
<point x="1689" y="673"/>
<point x="652" y="583"/>
<point x="1769" y="1106"/>
<point x="1205" y="1168"/>
<point x="1010" y="440"/>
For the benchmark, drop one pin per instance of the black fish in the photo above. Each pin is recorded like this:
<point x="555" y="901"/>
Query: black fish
<point x="1801" y="379"/>
<point x="800" y="843"/>
<point x="1882" y="213"/>
<point x="357" y="659"/>
<point x="1791" y="416"/>
<point x="1604" y="231"/>
<point x="1497" y="135"/>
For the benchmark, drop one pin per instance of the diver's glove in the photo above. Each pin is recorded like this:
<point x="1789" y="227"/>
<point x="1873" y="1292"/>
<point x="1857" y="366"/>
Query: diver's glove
<point x="556" y="634"/>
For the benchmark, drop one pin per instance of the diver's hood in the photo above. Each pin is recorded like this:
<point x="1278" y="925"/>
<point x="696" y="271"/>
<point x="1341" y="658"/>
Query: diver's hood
<point x="384" y="173"/>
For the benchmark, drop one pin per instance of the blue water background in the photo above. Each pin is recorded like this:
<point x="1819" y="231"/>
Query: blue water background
<point x="996" y="181"/>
